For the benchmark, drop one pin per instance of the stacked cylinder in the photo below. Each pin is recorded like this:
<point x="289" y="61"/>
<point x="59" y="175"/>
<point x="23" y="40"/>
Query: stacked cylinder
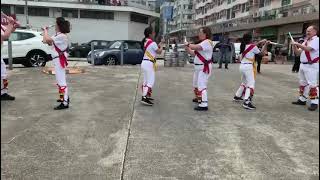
<point x="175" y="59"/>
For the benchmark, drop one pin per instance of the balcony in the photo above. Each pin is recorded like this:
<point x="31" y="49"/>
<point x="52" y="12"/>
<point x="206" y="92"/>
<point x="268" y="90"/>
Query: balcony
<point x="295" y="13"/>
<point x="129" y="3"/>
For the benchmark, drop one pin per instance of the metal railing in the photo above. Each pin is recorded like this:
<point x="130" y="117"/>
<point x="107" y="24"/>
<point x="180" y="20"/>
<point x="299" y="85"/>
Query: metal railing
<point x="136" y="4"/>
<point x="291" y="12"/>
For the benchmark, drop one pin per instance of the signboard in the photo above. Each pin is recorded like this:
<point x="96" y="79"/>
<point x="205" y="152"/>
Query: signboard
<point x="167" y="12"/>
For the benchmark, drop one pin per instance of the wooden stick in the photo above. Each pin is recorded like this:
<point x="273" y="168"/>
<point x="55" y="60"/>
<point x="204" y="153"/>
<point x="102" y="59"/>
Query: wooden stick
<point x="291" y="37"/>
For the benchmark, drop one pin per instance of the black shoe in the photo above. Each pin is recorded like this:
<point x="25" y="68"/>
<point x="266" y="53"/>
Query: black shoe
<point x="7" y="97"/>
<point x="61" y="106"/>
<point x="198" y="108"/>
<point x="219" y="67"/>
<point x="59" y="100"/>
<point x="248" y="105"/>
<point x="299" y="102"/>
<point x="226" y="68"/>
<point x="237" y="99"/>
<point x="313" y="107"/>
<point x="146" y="101"/>
<point x="150" y="98"/>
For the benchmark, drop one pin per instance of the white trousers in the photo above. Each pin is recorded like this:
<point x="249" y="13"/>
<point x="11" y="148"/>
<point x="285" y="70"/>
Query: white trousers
<point x="200" y="81"/>
<point x="308" y="76"/>
<point x="247" y="81"/>
<point x="148" y="77"/>
<point x="61" y="80"/>
<point x="4" y="88"/>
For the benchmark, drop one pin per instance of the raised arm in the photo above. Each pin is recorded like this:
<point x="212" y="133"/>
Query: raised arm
<point x="46" y="38"/>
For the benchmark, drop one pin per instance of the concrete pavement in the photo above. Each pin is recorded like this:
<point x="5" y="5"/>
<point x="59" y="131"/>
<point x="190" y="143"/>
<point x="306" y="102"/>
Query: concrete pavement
<point x="108" y="134"/>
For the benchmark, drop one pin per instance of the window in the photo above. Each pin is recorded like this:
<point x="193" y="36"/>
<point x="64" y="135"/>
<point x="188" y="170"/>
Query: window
<point x="19" y="36"/>
<point x="247" y="7"/>
<point x="233" y="14"/>
<point x="261" y="4"/>
<point x="285" y="2"/>
<point x="115" y="45"/>
<point x="229" y="1"/>
<point x="19" y="10"/>
<point x="96" y="15"/>
<point x="139" y="18"/>
<point x="243" y="9"/>
<point x="95" y="43"/>
<point x="228" y="13"/>
<point x="5" y="9"/>
<point x="104" y="43"/>
<point x="134" y="45"/>
<point x="267" y="2"/>
<point x="70" y="13"/>
<point x="35" y="11"/>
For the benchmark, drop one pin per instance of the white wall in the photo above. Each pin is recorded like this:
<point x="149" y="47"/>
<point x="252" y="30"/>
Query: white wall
<point x="84" y="30"/>
<point x="136" y="31"/>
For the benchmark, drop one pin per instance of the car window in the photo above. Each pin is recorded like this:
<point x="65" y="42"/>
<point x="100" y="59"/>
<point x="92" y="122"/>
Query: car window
<point x="25" y="36"/>
<point x="14" y="36"/>
<point x="95" y="43"/>
<point x="103" y="43"/>
<point x="115" y="45"/>
<point x="125" y="45"/>
<point x="134" y="45"/>
<point x="19" y="36"/>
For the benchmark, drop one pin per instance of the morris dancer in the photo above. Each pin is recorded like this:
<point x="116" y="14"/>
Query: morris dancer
<point x="202" y="67"/>
<point x="59" y="43"/>
<point x="148" y="64"/>
<point x="309" y="68"/>
<point x="248" y="70"/>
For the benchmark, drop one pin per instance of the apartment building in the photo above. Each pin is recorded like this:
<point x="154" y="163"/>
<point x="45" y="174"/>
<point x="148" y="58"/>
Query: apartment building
<point x="90" y="19"/>
<point x="271" y="19"/>
<point x="182" y="19"/>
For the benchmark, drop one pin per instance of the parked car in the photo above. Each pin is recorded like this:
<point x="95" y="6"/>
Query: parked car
<point x="133" y="53"/>
<point x="83" y="49"/>
<point x="27" y="48"/>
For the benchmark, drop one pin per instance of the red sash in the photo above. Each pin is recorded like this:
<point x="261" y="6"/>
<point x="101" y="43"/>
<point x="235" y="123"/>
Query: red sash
<point x="62" y="57"/>
<point x="245" y="52"/>
<point x="148" y="44"/>
<point x="206" y="63"/>
<point x="308" y="55"/>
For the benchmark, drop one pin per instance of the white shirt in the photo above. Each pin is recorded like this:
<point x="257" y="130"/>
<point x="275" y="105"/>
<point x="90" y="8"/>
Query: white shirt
<point x="206" y="52"/>
<point x="250" y="54"/>
<point x="314" y="44"/>
<point x="61" y="41"/>
<point x="152" y="48"/>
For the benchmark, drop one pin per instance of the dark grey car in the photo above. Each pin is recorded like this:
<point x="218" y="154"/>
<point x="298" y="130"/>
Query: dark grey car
<point x="132" y="54"/>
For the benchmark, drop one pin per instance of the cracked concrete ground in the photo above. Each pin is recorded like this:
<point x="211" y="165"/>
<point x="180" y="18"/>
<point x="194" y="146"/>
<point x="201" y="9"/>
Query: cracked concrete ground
<point x="107" y="134"/>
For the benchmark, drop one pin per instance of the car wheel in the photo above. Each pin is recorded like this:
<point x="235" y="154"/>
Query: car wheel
<point x="36" y="59"/>
<point x="77" y="54"/>
<point x="111" y="61"/>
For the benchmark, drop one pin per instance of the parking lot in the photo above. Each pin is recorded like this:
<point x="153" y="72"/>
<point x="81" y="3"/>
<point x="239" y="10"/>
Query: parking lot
<point x="107" y="134"/>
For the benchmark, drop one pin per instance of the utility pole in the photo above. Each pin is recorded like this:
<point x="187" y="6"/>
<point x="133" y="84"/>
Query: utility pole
<point x="26" y="13"/>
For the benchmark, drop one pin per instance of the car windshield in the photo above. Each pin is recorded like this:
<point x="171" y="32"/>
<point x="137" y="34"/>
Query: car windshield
<point x="115" y="45"/>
